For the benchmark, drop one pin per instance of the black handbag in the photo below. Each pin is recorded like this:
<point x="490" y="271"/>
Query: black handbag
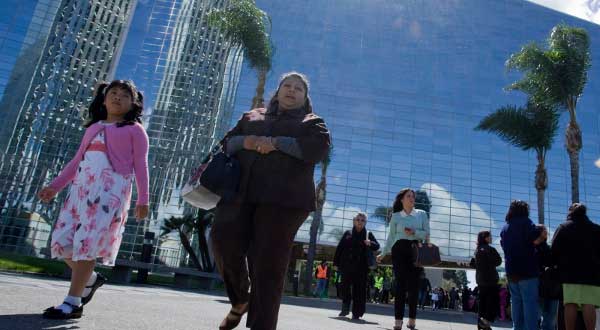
<point x="371" y="261"/>
<point x="217" y="178"/>
<point x="550" y="286"/>
<point x="426" y="255"/>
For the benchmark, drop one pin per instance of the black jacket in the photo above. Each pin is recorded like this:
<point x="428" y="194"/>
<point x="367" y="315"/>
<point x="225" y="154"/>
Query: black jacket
<point x="576" y="252"/>
<point x="351" y="252"/>
<point x="278" y="178"/>
<point x="486" y="261"/>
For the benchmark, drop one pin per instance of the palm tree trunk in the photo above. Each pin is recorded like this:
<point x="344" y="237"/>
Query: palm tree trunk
<point x="204" y="250"/>
<point x="541" y="183"/>
<point x="188" y="248"/>
<point x="574" y="144"/>
<point x="259" y="101"/>
<point x="314" y="230"/>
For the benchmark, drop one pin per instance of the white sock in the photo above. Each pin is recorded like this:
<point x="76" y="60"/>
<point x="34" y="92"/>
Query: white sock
<point x="71" y="300"/>
<point x="90" y="282"/>
<point x="398" y="323"/>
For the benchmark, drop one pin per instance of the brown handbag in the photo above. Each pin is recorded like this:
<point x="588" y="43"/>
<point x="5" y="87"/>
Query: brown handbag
<point x="427" y="255"/>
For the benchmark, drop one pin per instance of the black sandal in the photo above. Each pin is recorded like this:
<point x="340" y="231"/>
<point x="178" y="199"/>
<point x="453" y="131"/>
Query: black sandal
<point x="231" y="323"/>
<point x="54" y="313"/>
<point x="100" y="280"/>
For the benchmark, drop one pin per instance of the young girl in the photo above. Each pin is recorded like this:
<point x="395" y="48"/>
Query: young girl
<point x="114" y="148"/>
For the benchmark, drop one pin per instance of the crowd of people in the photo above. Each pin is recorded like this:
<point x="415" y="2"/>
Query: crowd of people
<point x="277" y="148"/>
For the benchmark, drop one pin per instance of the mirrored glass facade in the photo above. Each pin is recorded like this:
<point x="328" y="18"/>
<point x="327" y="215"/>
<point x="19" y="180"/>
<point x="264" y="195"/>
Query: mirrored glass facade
<point x="69" y="46"/>
<point x="401" y="85"/>
<point x="53" y="52"/>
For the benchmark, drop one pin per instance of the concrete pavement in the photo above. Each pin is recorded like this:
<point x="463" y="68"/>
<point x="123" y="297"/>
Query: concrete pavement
<point x="151" y="307"/>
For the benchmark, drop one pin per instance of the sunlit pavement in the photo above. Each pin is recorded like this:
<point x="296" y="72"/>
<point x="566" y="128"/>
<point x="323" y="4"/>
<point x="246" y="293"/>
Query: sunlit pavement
<point x="152" y="307"/>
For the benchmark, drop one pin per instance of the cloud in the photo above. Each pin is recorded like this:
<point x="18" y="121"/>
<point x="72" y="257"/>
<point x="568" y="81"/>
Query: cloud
<point x="588" y="10"/>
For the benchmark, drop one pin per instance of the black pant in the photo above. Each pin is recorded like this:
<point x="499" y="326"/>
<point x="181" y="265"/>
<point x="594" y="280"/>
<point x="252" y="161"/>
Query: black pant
<point x="354" y="290"/>
<point x="407" y="278"/>
<point x="252" y="246"/>
<point x="489" y="302"/>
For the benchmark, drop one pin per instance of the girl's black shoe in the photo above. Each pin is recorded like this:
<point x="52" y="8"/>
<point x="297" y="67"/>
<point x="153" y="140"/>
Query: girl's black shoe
<point x="100" y="280"/>
<point x="54" y="313"/>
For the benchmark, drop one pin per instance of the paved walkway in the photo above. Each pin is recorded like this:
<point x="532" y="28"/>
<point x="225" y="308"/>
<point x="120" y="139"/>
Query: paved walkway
<point x="151" y="307"/>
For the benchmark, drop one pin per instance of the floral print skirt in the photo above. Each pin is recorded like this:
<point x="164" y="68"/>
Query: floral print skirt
<point x="91" y="222"/>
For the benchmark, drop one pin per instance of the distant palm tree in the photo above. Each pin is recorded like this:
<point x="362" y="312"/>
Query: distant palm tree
<point x="384" y="213"/>
<point x="321" y="192"/>
<point x="249" y="27"/>
<point x="187" y="227"/>
<point x="533" y="127"/>
<point x="556" y="76"/>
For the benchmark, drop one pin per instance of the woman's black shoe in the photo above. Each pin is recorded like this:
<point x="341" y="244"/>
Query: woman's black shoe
<point x="100" y="280"/>
<point x="54" y="313"/>
<point x="483" y="325"/>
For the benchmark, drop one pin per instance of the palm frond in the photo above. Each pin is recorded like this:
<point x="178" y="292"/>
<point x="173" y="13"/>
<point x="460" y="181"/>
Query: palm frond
<point x="248" y="26"/>
<point x="185" y="224"/>
<point x="557" y="73"/>
<point x="530" y="127"/>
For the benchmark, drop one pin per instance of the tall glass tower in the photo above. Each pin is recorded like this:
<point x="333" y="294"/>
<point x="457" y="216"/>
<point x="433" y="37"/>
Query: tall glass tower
<point x="190" y="74"/>
<point x="82" y="47"/>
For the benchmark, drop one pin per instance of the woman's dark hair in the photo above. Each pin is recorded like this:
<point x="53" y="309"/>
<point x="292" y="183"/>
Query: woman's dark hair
<point x="97" y="110"/>
<point x="274" y="103"/>
<point x="397" y="207"/>
<point x="517" y="209"/>
<point x="577" y="212"/>
<point x="482" y="236"/>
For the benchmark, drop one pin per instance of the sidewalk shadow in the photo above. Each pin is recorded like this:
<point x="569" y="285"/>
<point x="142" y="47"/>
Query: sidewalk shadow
<point x="388" y="310"/>
<point x="349" y="320"/>
<point x="35" y="322"/>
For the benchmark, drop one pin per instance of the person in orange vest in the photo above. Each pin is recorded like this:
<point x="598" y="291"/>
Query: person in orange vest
<point x="321" y="275"/>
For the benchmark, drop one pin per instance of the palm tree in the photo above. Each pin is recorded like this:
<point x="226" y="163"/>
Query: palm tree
<point x="383" y="212"/>
<point x="249" y="27"/>
<point x="533" y="127"/>
<point x="321" y="192"/>
<point x="556" y="76"/>
<point x="188" y="226"/>
<point x="422" y="201"/>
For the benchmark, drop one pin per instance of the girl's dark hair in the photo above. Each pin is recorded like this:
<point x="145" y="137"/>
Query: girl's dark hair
<point x="397" y="207"/>
<point x="274" y="103"/>
<point x="517" y="209"/>
<point x="97" y="110"/>
<point x="482" y="236"/>
<point x="577" y="212"/>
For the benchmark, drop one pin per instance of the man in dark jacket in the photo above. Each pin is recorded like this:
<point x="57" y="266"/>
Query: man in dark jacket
<point x="519" y="239"/>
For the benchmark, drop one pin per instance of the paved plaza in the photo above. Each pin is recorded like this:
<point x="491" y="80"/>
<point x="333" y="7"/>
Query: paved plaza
<point x="151" y="307"/>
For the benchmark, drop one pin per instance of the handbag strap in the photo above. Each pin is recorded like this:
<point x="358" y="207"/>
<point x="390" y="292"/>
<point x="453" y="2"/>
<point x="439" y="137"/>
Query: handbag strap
<point x="215" y="150"/>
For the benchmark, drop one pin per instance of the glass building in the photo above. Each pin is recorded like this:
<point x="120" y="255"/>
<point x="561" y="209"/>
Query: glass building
<point x="189" y="76"/>
<point x="69" y="46"/>
<point x="53" y="53"/>
<point x="401" y="85"/>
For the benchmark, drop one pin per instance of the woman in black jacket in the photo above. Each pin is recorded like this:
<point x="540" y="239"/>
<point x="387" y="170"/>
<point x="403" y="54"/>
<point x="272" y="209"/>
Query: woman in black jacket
<point x="576" y="252"/>
<point x="486" y="261"/>
<point x="253" y="234"/>
<point x="351" y="260"/>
